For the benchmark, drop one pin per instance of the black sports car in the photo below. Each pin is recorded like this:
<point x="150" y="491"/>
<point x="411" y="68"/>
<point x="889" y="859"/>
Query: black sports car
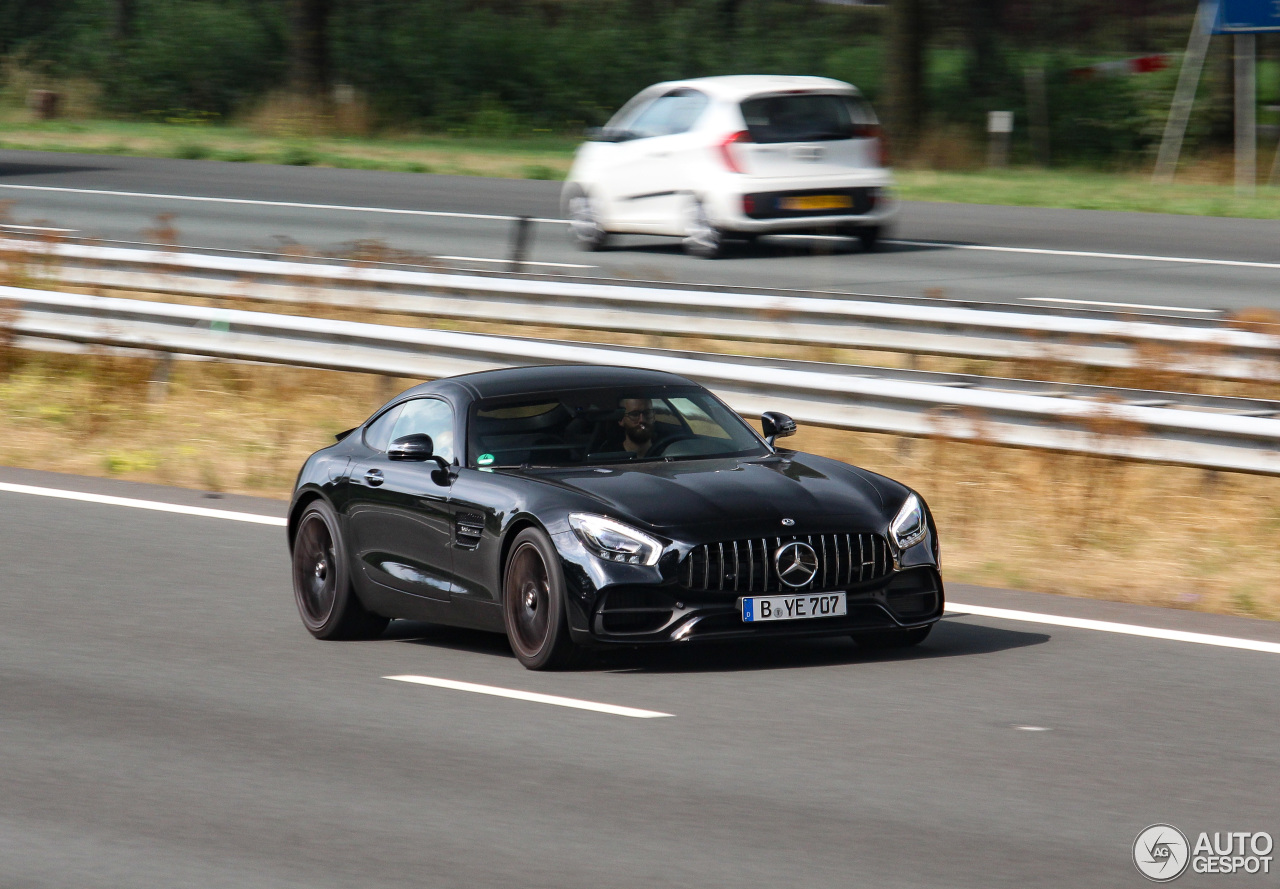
<point x="588" y="506"/>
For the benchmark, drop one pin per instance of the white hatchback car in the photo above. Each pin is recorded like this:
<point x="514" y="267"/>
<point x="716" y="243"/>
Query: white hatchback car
<point x="717" y="158"/>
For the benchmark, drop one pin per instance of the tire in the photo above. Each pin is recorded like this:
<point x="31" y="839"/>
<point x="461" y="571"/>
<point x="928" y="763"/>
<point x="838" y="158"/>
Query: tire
<point x="702" y="237"/>
<point x="322" y="588"/>
<point x="889" y="639"/>
<point x="533" y="607"/>
<point x="585" y="228"/>
<point x="869" y="238"/>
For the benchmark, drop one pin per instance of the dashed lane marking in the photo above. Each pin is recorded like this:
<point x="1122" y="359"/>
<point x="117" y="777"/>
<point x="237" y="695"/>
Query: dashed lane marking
<point x="534" y="697"/>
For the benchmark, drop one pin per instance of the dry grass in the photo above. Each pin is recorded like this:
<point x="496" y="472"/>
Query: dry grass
<point x="1069" y="524"/>
<point x="1081" y="525"/>
<point x="292" y="116"/>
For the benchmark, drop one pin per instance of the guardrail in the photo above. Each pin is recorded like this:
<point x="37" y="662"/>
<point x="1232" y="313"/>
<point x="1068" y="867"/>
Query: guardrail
<point x="1187" y="346"/>
<point x="1233" y="434"/>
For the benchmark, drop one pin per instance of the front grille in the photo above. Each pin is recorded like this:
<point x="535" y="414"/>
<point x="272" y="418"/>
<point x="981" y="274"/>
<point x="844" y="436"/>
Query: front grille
<point x="747" y="566"/>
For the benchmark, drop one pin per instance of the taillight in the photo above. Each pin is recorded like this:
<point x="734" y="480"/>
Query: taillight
<point x="748" y="205"/>
<point x="726" y="151"/>
<point x="882" y="145"/>
<point x="874" y="131"/>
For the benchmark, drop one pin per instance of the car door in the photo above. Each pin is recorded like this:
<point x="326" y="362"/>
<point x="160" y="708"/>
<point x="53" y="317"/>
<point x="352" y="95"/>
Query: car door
<point x="644" y="179"/>
<point x="398" y="512"/>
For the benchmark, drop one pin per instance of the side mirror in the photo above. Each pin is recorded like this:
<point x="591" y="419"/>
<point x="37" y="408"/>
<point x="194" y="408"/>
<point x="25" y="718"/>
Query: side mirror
<point x="776" y="425"/>
<point x="416" y="448"/>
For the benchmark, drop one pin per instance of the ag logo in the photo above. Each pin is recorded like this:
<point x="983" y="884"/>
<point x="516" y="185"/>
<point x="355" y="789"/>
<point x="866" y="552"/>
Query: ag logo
<point x="796" y="563"/>
<point x="1161" y="853"/>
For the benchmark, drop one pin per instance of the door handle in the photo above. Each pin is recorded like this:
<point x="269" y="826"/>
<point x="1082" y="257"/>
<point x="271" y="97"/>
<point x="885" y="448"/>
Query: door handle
<point x="373" y="477"/>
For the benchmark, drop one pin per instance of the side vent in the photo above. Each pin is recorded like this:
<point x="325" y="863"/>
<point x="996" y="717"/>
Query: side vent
<point x="469" y="529"/>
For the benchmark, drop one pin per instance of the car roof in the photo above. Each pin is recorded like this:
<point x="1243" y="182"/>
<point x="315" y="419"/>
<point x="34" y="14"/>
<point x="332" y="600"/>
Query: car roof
<point x="550" y="378"/>
<point x="735" y="87"/>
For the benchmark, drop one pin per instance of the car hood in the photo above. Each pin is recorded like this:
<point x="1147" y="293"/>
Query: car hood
<point x="812" y="491"/>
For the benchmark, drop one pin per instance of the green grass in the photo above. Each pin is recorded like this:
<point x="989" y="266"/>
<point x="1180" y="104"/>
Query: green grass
<point x="1087" y="190"/>
<point x="547" y="155"/>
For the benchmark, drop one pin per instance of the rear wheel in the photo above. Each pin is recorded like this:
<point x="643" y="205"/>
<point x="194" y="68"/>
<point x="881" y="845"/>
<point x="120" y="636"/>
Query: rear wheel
<point x="533" y="607"/>
<point x="322" y="583"/>
<point x="701" y="236"/>
<point x="889" y="639"/>
<point x="868" y="237"/>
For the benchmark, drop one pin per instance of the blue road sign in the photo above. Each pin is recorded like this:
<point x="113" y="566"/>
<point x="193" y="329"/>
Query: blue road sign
<point x="1247" y="16"/>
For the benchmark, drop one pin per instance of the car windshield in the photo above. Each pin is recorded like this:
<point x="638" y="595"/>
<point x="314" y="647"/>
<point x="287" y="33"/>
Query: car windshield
<point x="806" y="117"/>
<point x="600" y="426"/>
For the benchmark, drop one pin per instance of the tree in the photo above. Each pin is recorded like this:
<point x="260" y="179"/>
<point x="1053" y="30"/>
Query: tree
<point x="904" y="97"/>
<point x="309" y="46"/>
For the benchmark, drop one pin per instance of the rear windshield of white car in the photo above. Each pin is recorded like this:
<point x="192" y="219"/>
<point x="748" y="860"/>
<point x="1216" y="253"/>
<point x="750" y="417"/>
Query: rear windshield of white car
<point x="807" y="117"/>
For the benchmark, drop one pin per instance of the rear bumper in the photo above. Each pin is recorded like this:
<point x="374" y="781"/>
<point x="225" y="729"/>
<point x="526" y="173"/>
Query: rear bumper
<point x="768" y="206"/>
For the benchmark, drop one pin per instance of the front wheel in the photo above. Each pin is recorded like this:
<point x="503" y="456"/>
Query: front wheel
<point x="890" y="639"/>
<point x="322" y="587"/>
<point x="533" y="603"/>
<point x="585" y="228"/>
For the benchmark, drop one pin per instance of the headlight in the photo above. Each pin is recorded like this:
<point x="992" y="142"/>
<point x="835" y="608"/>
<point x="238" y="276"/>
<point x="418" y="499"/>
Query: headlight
<point x="908" y="526"/>
<point x="614" y="541"/>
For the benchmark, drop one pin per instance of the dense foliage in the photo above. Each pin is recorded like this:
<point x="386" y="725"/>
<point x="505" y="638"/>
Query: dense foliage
<point x="503" y="66"/>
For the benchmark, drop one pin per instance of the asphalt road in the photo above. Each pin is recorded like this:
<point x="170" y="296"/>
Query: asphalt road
<point x="165" y="721"/>
<point x="959" y="251"/>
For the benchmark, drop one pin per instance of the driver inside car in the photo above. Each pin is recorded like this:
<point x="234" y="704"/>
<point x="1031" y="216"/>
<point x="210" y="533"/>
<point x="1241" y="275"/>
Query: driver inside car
<point x="637" y="425"/>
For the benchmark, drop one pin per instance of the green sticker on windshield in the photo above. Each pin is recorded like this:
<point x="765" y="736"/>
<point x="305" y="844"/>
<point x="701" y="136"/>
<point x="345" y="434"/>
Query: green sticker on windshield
<point x="484" y="459"/>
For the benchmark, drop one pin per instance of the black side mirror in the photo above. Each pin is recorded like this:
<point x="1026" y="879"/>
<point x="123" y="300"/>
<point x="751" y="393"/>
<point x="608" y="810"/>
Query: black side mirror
<point x="416" y="448"/>
<point x="776" y="425"/>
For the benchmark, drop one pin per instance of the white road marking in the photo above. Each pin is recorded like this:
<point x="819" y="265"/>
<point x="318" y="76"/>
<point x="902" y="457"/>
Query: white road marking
<point x="562" y="265"/>
<point x="536" y="698"/>
<point x="1031" y="728"/>
<point x="9" y="226"/>
<point x="1090" y="302"/>
<point x="1106" y="626"/>
<point x="1085" y="254"/>
<point x="957" y="609"/>
<point x="290" y="204"/>
<point x="154" y="505"/>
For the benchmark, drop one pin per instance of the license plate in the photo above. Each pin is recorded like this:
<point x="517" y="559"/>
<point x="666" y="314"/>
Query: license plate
<point x="817" y="202"/>
<point x="758" y="608"/>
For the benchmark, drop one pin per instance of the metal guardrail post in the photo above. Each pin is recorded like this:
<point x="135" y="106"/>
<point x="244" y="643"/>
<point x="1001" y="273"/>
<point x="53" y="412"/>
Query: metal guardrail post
<point x="521" y="234"/>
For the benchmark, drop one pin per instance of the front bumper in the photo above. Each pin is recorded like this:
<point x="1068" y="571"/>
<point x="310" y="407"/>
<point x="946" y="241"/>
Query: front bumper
<point x="668" y="613"/>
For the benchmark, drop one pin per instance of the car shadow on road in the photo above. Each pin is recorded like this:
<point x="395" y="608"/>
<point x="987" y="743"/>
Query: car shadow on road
<point x="949" y="639"/>
<point x="768" y="248"/>
<point x="11" y="168"/>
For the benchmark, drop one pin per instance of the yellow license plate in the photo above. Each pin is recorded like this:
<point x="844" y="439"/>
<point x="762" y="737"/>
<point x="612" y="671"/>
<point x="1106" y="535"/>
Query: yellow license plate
<point x="817" y="202"/>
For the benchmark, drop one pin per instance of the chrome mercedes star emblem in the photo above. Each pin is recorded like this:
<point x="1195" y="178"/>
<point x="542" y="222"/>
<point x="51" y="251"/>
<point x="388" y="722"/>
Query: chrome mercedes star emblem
<point x="796" y="563"/>
<point x="787" y="523"/>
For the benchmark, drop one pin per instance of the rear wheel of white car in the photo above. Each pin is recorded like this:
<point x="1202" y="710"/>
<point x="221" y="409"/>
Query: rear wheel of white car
<point x="585" y="228"/>
<point x="868" y="237"/>
<point x="701" y="236"/>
